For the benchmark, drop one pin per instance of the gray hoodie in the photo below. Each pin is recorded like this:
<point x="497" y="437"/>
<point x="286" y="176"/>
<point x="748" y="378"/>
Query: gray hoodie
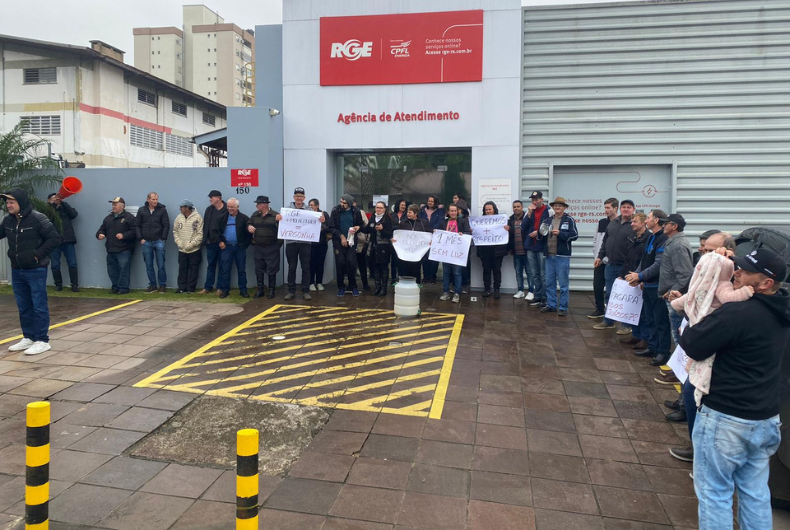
<point x="677" y="265"/>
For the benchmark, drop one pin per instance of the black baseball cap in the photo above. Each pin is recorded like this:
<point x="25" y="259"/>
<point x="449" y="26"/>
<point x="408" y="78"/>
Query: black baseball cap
<point x="765" y="261"/>
<point x="677" y="219"/>
<point x="536" y="195"/>
<point x="299" y="191"/>
<point x="214" y="193"/>
<point x="628" y="201"/>
<point x="262" y="199"/>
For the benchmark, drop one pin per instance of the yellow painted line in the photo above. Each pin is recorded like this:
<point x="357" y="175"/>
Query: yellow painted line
<point x="369" y="386"/>
<point x="75" y="320"/>
<point x="323" y="325"/>
<point x="418" y="407"/>
<point x="401" y="393"/>
<point x="153" y="378"/>
<point x="447" y="368"/>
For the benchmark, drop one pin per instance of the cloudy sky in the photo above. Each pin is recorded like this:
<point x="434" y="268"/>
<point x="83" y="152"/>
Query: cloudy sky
<point x="79" y="21"/>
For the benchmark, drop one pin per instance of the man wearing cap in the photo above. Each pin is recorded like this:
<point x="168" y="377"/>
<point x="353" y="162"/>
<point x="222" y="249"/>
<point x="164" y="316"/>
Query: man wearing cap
<point x="233" y="249"/>
<point x="535" y="245"/>
<point x="558" y="257"/>
<point x="676" y="270"/>
<point x="737" y="425"/>
<point x="614" y="249"/>
<point x="188" y="236"/>
<point x="31" y="239"/>
<point x="153" y="226"/>
<point x="118" y="231"/>
<point x="263" y="226"/>
<point x="68" y="241"/>
<point x="298" y="252"/>
<point x="214" y="220"/>
<point x="345" y="220"/>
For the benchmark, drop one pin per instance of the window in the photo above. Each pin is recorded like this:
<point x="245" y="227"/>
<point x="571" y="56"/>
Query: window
<point x="208" y="49"/>
<point x="180" y="109"/>
<point x="34" y="76"/>
<point x="152" y="38"/>
<point x="158" y="53"/>
<point x="209" y="79"/>
<point x="41" y="125"/>
<point x="159" y="38"/>
<point x="208" y="119"/>
<point x="238" y="53"/>
<point x="178" y="56"/>
<point x="215" y="79"/>
<point x="144" y="137"/>
<point x="159" y="66"/>
<point x="153" y="53"/>
<point x="178" y="42"/>
<point x="238" y="96"/>
<point x="144" y="96"/>
<point x="178" y="145"/>
<point x="209" y="64"/>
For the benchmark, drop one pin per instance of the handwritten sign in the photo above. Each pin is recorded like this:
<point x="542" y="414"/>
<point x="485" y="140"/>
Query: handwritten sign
<point x="625" y="303"/>
<point x="679" y="359"/>
<point x="299" y="225"/>
<point x="488" y="230"/>
<point x="411" y="246"/>
<point x="450" y="247"/>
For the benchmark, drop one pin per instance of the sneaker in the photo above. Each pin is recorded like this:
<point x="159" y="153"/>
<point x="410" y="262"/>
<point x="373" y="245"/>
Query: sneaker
<point x="445" y="296"/>
<point x="603" y="325"/>
<point x="547" y="309"/>
<point x="596" y="314"/>
<point x="456" y="298"/>
<point x="290" y="296"/>
<point x="691" y="475"/>
<point x="162" y="289"/>
<point x="624" y="331"/>
<point x="312" y="287"/>
<point x="519" y="294"/>
<point x="151" y="289"/>
<point x="535" y="303"/>
<point x="307" y="296"/>
<point x="320" y="287"/>
<point x="464" y="289"/>
<point x="341" y="292"/>
<point x="529" y="297"/>
<point x="354" y="292"/>
<point x="686" y="454"/>
<point x="668" y="379"/>
<point x="562" y="313"/>
<point x="21" y="345"/>
<point x="38" y="347"/>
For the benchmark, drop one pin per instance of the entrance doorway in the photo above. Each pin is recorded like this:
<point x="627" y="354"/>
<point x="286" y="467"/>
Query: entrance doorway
<point x="413" y="176"/>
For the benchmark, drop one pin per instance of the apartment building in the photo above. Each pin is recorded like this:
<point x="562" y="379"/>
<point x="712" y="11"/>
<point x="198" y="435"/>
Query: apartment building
<point x="160" y="52"/>
<point x="92" y="108"/>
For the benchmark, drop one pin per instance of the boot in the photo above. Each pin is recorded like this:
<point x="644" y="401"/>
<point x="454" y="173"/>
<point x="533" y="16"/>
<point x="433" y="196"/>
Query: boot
<point x="58" y="278"/>
<point x="272" y="285"/>
<point x="377" y="291"/>
<point x="259" y="293"/>
<point x="384" y="277"/>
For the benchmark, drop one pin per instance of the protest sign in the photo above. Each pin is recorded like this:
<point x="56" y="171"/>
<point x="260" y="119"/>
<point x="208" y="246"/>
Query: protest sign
<point x="410" y="245"/>
<point x="450" y="247"/>
<point x="381" y="198"/>
<point x="625" y="303"/>
<point x="488" y="230"/>
<point x="299" y="225"/>
<point x="679" y="359"/>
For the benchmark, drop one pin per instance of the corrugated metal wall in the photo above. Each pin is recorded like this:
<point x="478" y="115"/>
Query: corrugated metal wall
<point x="700" y="85"/>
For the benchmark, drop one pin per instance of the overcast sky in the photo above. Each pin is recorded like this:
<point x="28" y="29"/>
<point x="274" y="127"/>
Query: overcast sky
<point x="79" y="21"/>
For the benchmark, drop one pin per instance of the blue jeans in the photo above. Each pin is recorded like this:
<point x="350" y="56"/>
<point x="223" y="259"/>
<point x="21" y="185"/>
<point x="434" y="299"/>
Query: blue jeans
<point x="232" y="254"/>
<point x="520" y="264"/>
<point x="558" y="270"/>
<point x="611" y="272"/>
<point x="733" y="453"/>
<point x="155" y="249"/>
<point x="212" y="258"/>
<point x="455" y="272"/>
<point x="536" y="261"/>
<point x="67" y="249"/>
<point x="30" y="291"/>
<point x="687" y="395"/>
<point x="674" y="320"/>
<point x="657" y="320"/>
<point x="118" y="269"/>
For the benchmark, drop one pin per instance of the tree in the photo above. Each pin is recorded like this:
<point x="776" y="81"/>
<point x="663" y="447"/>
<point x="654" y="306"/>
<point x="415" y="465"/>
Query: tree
<point x="23" y="166"/>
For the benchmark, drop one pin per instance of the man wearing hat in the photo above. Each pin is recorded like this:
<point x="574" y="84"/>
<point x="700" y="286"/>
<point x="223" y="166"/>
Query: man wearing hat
<point x="214" y="221"/>
<point x="298" y="252"/>
<point x="188" y="236"/>
<point x="677" y="266"/>
<point x="614" y="251"/>
<point x="31" y="238"/>
<point x="558" y="258"/>
<point x="68" y="240"/>
<point x="119" y="232"/>
<point x="263" y="225"/>
<point x="345" y="221"/>
<point x="535" y="245"/>
<point x="737" y="427"/>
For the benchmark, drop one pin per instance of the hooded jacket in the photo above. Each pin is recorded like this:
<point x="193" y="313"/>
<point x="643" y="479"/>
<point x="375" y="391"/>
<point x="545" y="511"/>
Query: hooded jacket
<point x="31" y="236"/>
<point x="749" y="339"/>
<point x="153" y="226"/>
<point x="67" y="215"/>
<point x="676" y="265"/>
<point x="188" y="232"/>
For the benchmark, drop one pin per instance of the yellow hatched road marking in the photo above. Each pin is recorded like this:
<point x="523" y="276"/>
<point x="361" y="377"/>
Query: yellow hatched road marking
<point x="358" y="389"/>
<point x="401" y="393"/>
<point x="323" y="325"/>
<point x="447" y="368"/>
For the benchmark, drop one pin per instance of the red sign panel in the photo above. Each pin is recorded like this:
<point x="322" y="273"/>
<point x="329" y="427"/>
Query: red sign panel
<point x="442" y="47"/>
<point x="243" y="177"/>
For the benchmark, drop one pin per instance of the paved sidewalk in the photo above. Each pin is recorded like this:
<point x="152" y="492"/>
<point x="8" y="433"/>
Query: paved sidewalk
<point x="548" y="424"/>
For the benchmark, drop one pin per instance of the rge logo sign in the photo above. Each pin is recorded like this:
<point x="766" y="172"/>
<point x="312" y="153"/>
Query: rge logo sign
<point x="351" y="49"/>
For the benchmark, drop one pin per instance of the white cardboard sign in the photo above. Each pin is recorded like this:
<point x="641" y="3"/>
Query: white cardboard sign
<point x="488" y="230"/>
<point x="411" y="246"/>
<point x="625" y="303"/>
<point x="679" y="359"/>
<point x="450" y="247"/>
<point x="299" y="225"/>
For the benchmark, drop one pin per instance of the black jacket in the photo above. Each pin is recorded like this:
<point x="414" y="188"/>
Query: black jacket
<point x="214" y="222"/>
<point x="418" y="225"/>
<point x="153" y="226"/>
<point x="325" y="232"/>
<point x="650" y="264"/>
<point x="243" y="237"/>
<point x="634" y="253"/>
<point x="112" y="225"/>
<point x="67" y="214"/>
<point x="380" y="245"/>
<point x="334" y="223"/>
<point x="31" y="236"/>
<point x="615" y="242"/>
<point x="749" y="339"/>
<point x="266" y="228"/>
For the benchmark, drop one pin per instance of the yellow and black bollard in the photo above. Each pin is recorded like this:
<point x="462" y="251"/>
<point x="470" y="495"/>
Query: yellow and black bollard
<point x="247" y="479"/>
<point x="37" y="470"/>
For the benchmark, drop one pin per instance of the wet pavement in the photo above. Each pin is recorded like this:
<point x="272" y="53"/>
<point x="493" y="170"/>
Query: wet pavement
<point x="546" y="423"/>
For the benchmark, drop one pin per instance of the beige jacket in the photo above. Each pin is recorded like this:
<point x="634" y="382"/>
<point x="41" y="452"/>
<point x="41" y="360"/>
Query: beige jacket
<point x="188" y="232"/>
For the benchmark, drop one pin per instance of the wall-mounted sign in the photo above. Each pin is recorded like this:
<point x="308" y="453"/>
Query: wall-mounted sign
<point x="441" y="47"/>
<point x="243" y="177"/>
<point x="372" y="117"/>
<point x="497" y="190"/>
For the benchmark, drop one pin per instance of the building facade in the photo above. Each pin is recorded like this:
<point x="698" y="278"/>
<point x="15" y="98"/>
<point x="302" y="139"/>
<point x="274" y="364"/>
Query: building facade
<point x="160" y="52"/>
<point x="93" y="109"/>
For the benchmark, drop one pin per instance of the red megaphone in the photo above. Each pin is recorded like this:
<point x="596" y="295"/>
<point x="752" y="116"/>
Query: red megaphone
<point x="70" y="186"/>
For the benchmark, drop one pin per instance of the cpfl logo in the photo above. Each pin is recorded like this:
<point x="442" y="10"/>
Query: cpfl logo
<point x="352" y="49"/>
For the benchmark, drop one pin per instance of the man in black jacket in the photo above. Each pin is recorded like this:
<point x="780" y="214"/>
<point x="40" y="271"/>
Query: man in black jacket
<point x="31" y="239"/>
<point x="214" y="220"/>
<point x="153" y="225"/>
<point x="737" y="426"/>
<point x="68" y="240"/>
<point x="263" y="227"/>
<point x="233" y="249"/>
<point x="345" y="221"/>
<point x="614" y="251"/>
<point x="118" y="231"/>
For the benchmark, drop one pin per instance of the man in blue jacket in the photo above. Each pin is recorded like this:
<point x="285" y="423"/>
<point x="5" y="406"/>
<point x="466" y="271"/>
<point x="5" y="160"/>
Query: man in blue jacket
<point x="558" y="257"/>
<point x="535" y="245"/>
